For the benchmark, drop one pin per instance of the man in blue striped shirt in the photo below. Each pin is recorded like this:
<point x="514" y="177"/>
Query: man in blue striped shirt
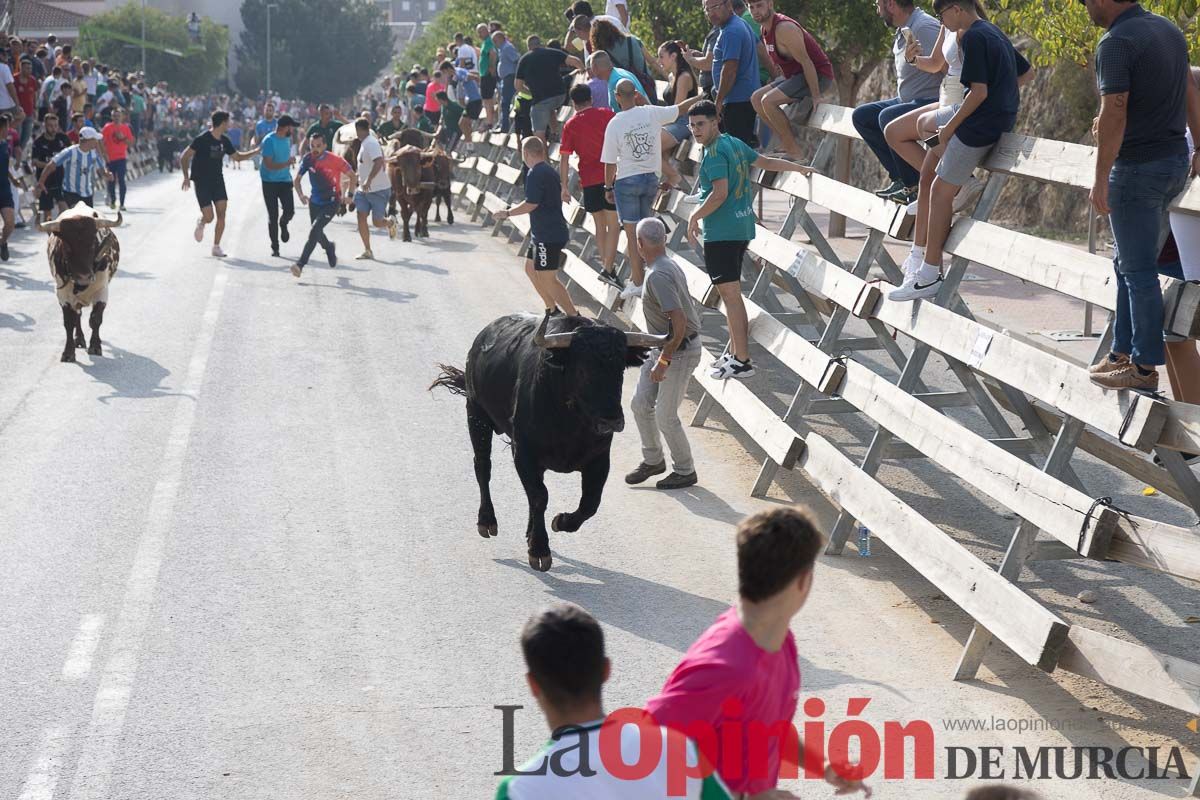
<point x="79" y="163"/>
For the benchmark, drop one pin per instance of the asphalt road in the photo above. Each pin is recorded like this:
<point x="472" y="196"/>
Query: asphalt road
<point x="238" y="555"/>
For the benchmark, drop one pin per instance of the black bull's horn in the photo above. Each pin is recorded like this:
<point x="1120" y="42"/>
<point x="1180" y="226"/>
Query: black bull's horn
<point x="551" y="341"/>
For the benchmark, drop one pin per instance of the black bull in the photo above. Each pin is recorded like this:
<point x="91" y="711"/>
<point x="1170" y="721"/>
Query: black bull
<point x="555" y="390"/>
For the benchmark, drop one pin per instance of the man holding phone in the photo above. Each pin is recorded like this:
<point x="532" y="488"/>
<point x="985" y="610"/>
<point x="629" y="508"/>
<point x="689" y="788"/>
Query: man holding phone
<point x="914" y="88"/>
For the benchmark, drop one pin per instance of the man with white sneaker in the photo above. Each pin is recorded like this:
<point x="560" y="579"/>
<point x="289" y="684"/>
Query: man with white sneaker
<point x="991" y="71"/>
<point x="202" y="164"/>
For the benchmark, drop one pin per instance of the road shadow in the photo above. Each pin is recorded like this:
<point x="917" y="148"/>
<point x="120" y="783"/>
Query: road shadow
<point x="446" y="244"/>
<point x="128" y="374"/>
<point x="137" y="276"/>
<point x="375" y="293"/>
<point x="408" y="263"/>
<point x="280" y="265"/>
<point x="22" y="323"/>
<point x="699" y="501"/>
<point x="634" y="605"/>
<point x="23" y="283"/>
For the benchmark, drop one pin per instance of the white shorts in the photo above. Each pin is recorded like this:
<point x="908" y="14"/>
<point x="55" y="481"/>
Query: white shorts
<point x="1186" y="229"/>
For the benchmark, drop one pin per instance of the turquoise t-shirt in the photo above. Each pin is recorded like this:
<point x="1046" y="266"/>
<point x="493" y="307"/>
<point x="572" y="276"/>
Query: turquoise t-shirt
<point x="729" y="158"/>
<point x="278" y="149"/>
<point x="614" y="79"/>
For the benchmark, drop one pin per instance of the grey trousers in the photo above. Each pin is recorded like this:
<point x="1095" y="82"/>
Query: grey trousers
<point x="656" y="409"/>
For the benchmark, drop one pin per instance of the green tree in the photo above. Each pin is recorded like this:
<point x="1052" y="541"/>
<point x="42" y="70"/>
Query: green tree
<point x="321" y="50"/>
<point x="115" y="38"/>
<point x="1061" y="30"/>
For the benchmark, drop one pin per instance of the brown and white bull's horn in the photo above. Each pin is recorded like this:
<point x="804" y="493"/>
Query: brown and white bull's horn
<point x="101" y="222"/>
<point x="46" y="227"/>
<point x="551" y="341"/>
<point x="635" y="339"/>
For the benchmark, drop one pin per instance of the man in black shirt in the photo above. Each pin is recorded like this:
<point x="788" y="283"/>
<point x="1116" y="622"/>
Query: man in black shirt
<point x="538" y="73"/>
<point x="1141" y="164"/>
<point x="202" y="164"/>
<point x="548" y="233"/>
<point x="45" y="147"/>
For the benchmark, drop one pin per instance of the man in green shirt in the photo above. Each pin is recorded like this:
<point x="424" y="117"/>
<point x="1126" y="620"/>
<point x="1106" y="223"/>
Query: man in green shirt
<point x="394" y="124"/>
<point x="452" y="113"/>
<point x="725" y="221"/>
<point x="487" y="72"/>
<point x="326" y="123"/>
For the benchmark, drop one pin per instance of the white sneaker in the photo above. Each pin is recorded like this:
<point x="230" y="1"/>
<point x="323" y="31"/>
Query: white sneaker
<point x="732" y="368"/>
<point x="721" y="359"/>
<point x="199" y="232"/>
<point x="631" y="290"/>
<point x="365" y="255"/>
<point x="911" y="264"/>
<point x="967" y="194"/>
<point x="924" y="282"/>
<point x="217" y="251"/>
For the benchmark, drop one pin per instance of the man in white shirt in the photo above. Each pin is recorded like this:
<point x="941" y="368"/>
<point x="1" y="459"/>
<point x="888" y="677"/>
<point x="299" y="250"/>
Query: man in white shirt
<point x="632" y="157"/>
<point x="374" y="188"/>
<point x="466" y="56"/>
<point x="618" y="9"/>
<point x="8" y="97"/>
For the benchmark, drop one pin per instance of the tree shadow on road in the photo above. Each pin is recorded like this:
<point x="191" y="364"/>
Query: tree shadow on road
<point x="652" y="611"/>
<point x="22" y="323"/>
<point x="128" y="374"/>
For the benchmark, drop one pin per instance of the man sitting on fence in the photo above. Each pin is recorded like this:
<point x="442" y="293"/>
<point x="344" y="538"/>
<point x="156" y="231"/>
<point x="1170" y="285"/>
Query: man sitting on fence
<point x="668" y="308"/>
<point x="807" y="72"/>
<point x="914" y="89"/>
<point x="991" y="69"/>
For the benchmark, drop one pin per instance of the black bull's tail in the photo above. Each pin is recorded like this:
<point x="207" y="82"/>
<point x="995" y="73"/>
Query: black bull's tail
<point x="451" y="378"/>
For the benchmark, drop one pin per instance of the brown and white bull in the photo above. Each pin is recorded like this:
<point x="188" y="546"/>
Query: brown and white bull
<point x="83" y="253"/>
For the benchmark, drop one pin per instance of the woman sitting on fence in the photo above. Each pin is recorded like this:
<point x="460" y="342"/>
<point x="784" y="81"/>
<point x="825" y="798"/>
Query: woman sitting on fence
<point x="681" y="84"/>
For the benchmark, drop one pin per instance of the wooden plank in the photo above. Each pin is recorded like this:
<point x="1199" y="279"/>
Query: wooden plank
<point x="1024" y="625"/>
<point x="781" y="444"/>
<point x="484" y="167"/>
<point x="507" y="174"/>
<point x="1044" y="160"/>
<point x="833" y="119"/>
<point x="589" y="281"/>
<point x="852" y="203"/>
<point x="1135" y="419"/>
<point x="1157" y="545"/>
<point x="1132" y="667"/>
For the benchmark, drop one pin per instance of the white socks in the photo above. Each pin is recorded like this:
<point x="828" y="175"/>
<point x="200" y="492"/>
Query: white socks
<point x="927" y="273"/>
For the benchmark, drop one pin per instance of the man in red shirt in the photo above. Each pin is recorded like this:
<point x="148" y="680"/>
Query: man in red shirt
<point x="118" y="136"/>
<point x="583" y="135"/>
<point x="743" y="670"/>
<point x="27" y="89"/>
<point x="433" y="109"/>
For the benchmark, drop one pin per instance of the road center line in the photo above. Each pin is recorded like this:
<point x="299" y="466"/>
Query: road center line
<point x="94" y="770"/>
<point x="43" y="776"/>
<point x="83" y="648"/>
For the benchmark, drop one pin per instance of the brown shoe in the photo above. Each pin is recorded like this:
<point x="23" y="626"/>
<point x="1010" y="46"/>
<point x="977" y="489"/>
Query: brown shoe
<point x="1107" y="364"/>
<point x="1127" y="376"/>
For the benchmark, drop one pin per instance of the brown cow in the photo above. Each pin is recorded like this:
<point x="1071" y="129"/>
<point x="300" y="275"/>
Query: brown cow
<point x="412" y="185"/>
<point x="83" y="255"/>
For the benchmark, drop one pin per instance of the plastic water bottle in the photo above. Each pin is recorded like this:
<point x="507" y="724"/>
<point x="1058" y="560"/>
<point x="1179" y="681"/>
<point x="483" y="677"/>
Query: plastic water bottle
<point x="864" y="541"/>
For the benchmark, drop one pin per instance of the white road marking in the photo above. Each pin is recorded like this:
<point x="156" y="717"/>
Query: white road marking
<point x="43" y="776"/>
<point x="94" y="770"/>
<point x="79" y="659"/>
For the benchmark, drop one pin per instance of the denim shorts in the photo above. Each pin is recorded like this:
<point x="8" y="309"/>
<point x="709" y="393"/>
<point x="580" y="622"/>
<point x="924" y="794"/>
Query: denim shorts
<point x="374" y="202"/>
<point x="634" y="196"/>
<point x="679" y="130"/>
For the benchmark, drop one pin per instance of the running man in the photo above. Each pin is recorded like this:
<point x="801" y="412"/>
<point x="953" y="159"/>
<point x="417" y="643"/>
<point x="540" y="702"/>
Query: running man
<point x="118" y="136"/>
<point x="201" y="163"/>
<point x="548" y="233"/>
<point x="374" y="188"/>
<point x="276" y="175"/>
<point x="7" y="204"/>
<point x="45" y="147"/>
<point x="327" y="172"/>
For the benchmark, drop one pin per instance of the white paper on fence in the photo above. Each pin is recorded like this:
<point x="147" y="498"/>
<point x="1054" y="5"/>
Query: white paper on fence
<point x="982" y="342"/>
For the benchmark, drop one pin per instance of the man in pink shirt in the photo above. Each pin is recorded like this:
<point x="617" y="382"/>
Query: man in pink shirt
<point x="743" y="670"/>
<point x="433" y="109"/>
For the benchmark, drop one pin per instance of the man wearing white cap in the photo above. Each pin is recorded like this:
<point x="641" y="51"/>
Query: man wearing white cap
<point x="78" y="163"/>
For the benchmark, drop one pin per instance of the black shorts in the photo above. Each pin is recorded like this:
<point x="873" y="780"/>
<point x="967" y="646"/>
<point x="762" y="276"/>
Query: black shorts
<point x="474" y="109"/>
<point x="6" y="197"/>
<point x="72" y="199"/>
<point x="487" y="86"/>
<point x="723" y="260"/>
<point x="434" y="117"/>
<point x="49" y="197"/>
<point x="738" y="120"/>
<point x="546" y="256"/>
<point x="593" y="199"/>
<point x="208" y="193"/>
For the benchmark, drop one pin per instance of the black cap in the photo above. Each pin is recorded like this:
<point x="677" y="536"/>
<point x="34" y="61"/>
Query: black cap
<point x="288" y="121"/>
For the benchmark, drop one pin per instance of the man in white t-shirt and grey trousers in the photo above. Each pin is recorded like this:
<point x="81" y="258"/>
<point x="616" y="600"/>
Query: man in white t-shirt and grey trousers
<point x="668" y="308"/>
<point x="632" y="157"/>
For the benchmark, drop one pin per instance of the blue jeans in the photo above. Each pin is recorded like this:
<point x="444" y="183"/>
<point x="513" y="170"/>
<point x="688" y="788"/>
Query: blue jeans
<point x="117" y="168"/>
<point x="634" y="196"/>
<point x="1138" y="196"/>
<point x="870" y="120"/>
<point x="508" y="90"/>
